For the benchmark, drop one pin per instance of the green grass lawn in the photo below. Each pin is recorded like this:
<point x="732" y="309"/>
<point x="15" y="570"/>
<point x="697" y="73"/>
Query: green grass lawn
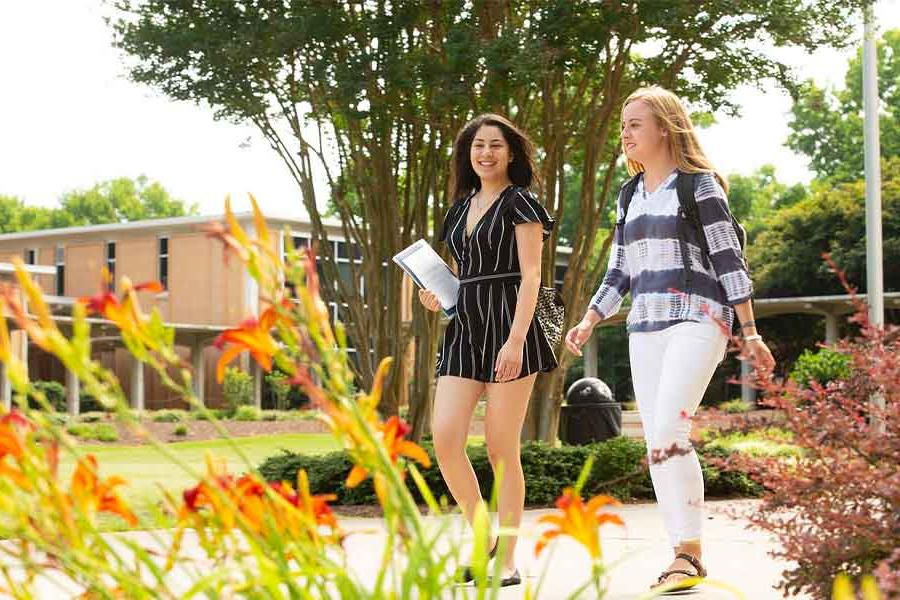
<point x="145" y="468"/>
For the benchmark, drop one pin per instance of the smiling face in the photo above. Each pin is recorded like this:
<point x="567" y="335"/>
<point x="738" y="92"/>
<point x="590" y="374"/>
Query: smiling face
<point x="642" y="137"/>
<point x="490" y="153"/>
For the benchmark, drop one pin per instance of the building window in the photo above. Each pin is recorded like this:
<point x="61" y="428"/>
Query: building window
<point x="30" y="256"/>
<point x="164" y="262"/>
<point x="111" y="264"/>
<point x="60" y="270"/>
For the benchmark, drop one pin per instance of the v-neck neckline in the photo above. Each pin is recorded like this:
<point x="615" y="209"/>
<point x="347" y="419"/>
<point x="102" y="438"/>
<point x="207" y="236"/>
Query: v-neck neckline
<point x="468" y="236"/>
<point x="662" y="184"/>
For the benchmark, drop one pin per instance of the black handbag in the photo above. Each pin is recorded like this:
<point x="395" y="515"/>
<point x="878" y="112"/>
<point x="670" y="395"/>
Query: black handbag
<point x="551" y="314"/>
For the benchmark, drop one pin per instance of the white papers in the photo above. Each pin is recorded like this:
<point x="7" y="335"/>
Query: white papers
<point x="430" y="272"/>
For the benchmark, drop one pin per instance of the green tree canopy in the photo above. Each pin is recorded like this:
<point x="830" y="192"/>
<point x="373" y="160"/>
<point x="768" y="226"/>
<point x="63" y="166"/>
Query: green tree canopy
<point x="114" y="201"/>
<point x="786" y="256"/>
<point x="827" y="124"/>
<point x="752" y="198"/>
<point x="386" y="85"/>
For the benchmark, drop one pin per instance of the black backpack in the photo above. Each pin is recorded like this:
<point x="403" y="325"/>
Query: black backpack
<point x="689" y="214"/>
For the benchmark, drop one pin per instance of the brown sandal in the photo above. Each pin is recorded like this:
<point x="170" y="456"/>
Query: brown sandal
<point x="700" y="572"/>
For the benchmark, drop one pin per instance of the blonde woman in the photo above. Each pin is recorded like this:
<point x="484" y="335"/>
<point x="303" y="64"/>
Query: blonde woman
<point x="676" y="250"/>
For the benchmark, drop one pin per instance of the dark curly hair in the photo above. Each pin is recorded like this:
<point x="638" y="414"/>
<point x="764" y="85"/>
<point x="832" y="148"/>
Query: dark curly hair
<point x="521" y="171"/>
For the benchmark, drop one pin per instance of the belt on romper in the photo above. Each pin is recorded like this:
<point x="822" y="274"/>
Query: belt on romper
<point x="480" y="278"/>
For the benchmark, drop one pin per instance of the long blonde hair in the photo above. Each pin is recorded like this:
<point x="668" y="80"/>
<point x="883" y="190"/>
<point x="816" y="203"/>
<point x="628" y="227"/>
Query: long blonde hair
<point x="672" y="116"/>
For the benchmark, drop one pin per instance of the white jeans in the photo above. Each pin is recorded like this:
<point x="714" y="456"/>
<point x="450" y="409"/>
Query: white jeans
<point x="671" y="370"/>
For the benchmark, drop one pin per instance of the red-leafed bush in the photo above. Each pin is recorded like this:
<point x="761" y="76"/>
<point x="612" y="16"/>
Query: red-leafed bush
<point x="837" y="509"/>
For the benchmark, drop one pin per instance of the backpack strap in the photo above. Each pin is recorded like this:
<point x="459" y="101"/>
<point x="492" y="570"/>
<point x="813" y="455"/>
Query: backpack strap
<point x="627" y="193"/>
<point x="689" y="214"/>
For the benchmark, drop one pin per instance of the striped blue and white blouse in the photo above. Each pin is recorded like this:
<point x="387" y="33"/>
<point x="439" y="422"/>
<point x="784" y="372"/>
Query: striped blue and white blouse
<point x="645" y="259"/>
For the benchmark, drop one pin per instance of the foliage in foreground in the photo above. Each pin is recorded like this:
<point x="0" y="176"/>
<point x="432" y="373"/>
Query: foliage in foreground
<point x="254" y="538"/>
<point x="836" y="509"/>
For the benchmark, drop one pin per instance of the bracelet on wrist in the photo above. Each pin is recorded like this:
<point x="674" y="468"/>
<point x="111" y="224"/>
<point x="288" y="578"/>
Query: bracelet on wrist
<point x="750" y="323"/>
<point x="752" y="338"/>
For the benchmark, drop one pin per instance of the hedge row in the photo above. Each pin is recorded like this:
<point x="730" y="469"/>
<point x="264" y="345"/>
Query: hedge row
<point x="617" y="471"/>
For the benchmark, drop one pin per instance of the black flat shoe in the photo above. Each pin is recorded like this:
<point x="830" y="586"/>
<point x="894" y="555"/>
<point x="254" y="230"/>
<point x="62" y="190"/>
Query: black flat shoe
<point x="465" y="574"/>
<point x="514" y="579"/>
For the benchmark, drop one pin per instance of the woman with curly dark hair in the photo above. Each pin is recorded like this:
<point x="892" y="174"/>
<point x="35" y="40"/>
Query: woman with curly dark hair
<point x="493" y="345"/>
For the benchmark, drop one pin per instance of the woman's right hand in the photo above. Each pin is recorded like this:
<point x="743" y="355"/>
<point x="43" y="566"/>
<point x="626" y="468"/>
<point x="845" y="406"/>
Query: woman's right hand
<point x="581" y="333"/>
<point x="429" y="300"/>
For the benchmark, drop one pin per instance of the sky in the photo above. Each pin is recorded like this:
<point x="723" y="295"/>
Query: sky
<point x="70" y="118"/>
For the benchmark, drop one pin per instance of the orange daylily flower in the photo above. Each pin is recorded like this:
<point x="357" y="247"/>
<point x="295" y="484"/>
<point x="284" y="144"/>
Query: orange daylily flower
<point x="579" y="521"/>
<point x="252" y="335"/>
<point x="247" y="500"/>
<point x="14" y="426"/>
<point x="125" y="312"/>
<point x="392" y="433"/>
<point x="234" y="238"/>
<point x="314" y="508"/>
<point x="92" y="495"/>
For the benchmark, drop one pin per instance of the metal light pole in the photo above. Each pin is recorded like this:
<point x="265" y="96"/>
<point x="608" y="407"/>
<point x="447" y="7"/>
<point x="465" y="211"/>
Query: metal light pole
<point x="874" y="261"/>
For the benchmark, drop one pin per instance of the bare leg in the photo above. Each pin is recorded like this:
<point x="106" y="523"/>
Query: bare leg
<point x="454" y="402"/>
<point x="506" y="407"/>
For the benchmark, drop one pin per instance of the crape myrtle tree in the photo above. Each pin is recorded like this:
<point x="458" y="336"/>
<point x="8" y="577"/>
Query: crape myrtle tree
<point x="372" y="94"/>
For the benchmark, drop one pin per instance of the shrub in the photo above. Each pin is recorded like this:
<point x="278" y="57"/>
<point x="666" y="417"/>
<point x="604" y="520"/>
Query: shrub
<point x="169" y="416"/>
<point x="237" y="388"/>
<point x="55" y="393"/>
<point x="103" y="432"/>
<point x="823" y="366"/>
<point x="82" y="431"/>
<point x="218" y="413"/>
<point x="619" y="469"/>
<point x="87" y="403"/>
<point x="736" y="406"/>
<point x="180" y="430"/>
<point x="91" y="417"/>
<point x="58" y="419"/>
<point x="247" y="413"/>
<point x="837" y="508"/>
<point x="279" y="388"/>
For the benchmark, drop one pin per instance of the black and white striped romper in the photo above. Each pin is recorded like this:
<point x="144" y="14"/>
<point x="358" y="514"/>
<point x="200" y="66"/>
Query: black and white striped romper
<point x="487" y="304"/>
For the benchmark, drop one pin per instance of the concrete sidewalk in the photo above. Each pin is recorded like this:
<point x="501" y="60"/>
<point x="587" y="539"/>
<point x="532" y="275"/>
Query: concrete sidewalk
<point x="635" y="556"/>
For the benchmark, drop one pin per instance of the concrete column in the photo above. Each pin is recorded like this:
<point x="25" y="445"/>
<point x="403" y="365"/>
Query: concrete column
<point x="198" y="365"/>
<point x="748" y="392"/>
<point x="136" y="399"/>
<point x="5" y="387"/>
<point x="257" y="373"/>
<point x="831" y="328"/>
<point x="73" y="388"/>
<point x="590" y="351"/>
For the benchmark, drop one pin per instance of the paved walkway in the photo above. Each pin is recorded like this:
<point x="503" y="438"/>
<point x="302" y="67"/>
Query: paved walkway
<point x="635" y="555"/>
<point x="732" y="554"/>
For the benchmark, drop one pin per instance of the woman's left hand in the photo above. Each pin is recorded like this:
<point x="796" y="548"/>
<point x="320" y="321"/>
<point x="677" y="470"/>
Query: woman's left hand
<point x="509" y="361"/>
<point x="760" y="354"/>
